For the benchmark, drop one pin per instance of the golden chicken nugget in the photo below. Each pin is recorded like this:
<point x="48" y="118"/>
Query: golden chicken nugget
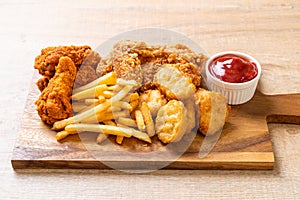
<point x="213" y="111"/>
<point x="171" y="122"/>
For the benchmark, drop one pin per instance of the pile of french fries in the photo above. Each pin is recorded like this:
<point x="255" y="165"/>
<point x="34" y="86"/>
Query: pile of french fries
<point x="109" y="107"/>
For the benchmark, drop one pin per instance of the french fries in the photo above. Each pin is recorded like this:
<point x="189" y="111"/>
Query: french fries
<point x="102" y="101"/>
<point x="126" y="82"/>
<point x="148" y="119"/>
<point x="119" y="139"/>
<point x="77" y="107"/>
<point x="114" y="88"/>
<point x="134" y="104"/>
<point x="108" y="79"/>
<point x="103" y="136"/>
<point x="127" y="122"/>
<point x="122" y="104"/>
<point x="107" y="129"/>
<point x="91" y="101"/>
<point x="139" y="120"/>
<point x="90" y="93"/>
<point x="81" y="116"/>
<point x="62" y="134"/>
<point x="108" y="94"/>
<point x="122" y="93"/>
<point x="100" y="117"/>
<point x="101" y="98"/>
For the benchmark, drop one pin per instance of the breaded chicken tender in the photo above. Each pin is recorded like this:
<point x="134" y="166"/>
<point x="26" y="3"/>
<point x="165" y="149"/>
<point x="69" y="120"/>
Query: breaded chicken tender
<point x="213" y="111"/>
<point x="171" y="121"/>
<point x="54" y="102"/>
<point x="126" y="66"/>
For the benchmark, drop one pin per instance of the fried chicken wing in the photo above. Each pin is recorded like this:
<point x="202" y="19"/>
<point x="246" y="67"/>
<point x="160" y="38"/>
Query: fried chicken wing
<point x="49" y="58"/>
<point x="54" y="102"/>
<point x="82" y="56"/>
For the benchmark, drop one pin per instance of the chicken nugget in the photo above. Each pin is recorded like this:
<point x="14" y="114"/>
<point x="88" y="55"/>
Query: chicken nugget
<point x="213" y="111"/>
<point x="171" y="121"/>
<point x="154" y="99"/>
<point x="173" y="83"/>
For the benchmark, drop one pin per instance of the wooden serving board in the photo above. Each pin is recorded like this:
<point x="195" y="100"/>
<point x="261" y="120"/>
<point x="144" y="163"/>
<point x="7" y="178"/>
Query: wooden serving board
<point x="244" y="142"/>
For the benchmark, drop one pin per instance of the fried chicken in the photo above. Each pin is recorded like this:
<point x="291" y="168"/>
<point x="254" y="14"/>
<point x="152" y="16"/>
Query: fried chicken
<point x="186" y="53"/>
<point x="85" y="75"/>
<point x="80" y="55"/>
<point x="49" y="57"/>
<point x="54" y="102"/>
<point x="43" y="82"/>
<point x="152" y="58"/>
<point x="126" y="66"/>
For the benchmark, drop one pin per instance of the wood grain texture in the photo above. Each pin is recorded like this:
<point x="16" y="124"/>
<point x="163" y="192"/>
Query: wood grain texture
<point x="243" y="144"/>
<point x="268" y="30"/>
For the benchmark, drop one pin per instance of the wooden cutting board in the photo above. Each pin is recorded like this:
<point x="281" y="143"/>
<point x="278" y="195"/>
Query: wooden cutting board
<point x="244" y="142"/>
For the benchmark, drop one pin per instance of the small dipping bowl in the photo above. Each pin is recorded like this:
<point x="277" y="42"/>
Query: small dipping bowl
<point x="235" y="92"/>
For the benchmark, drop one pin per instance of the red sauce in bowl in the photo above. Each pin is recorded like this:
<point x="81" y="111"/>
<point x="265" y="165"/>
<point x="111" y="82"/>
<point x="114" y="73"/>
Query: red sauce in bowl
<point x="233" y="69"/>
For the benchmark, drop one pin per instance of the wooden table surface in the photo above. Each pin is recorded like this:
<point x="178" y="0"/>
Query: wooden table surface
<point x="268" y="30"/>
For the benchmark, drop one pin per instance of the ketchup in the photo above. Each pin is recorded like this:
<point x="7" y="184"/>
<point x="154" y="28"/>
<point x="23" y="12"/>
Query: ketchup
<point x="233" y="69"/>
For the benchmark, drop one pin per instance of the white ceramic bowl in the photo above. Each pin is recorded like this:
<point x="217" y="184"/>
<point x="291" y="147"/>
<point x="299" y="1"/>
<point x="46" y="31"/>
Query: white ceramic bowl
<point x="236" y="93"/>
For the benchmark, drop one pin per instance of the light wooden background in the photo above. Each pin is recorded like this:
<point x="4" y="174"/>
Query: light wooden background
<point x="268" y="30"/>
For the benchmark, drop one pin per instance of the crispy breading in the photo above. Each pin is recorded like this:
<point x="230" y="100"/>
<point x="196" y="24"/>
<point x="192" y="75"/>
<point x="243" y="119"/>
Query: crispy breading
<point x="152" y="58"/>
<point x="186" y="53"/>
<point x="43" y="82"/>
<point x="213" y="111"/>
<point x="154" y="100"/>
<point x="128" y="67"/>
<point x="173" y="84"/>
<point x="189" y="71"/>
<point x="171" y="122"/>
<point x="49" y="58"/>
<point x="151" y="66"/>
<point x="104" y="68"/>
<point x="54" y="102"/>
<point x="85" y="75"/>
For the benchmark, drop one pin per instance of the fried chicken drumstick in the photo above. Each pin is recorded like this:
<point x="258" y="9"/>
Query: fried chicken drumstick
<point x="54" y="102"/>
